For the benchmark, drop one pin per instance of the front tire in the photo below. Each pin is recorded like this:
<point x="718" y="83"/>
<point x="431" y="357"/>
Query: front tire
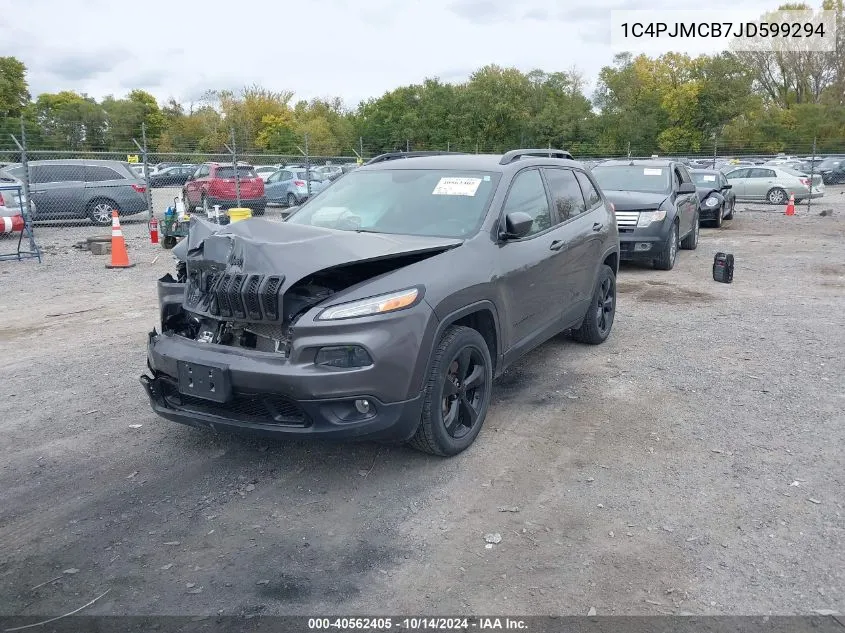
<point x="690" y="242"/>
<point x="730" y="214"/>
<point x="599" y="318"/>
<point x="457" y="393"/>
<point x="719" y="217"/>
<point x="667" y="258"/>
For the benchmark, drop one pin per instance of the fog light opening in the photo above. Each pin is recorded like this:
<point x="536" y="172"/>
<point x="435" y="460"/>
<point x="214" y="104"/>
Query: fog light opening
<point x="362" y="406"/>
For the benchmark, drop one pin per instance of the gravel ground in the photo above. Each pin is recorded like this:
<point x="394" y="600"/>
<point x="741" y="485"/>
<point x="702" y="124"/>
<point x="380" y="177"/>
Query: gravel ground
<point x="692" y="464"/>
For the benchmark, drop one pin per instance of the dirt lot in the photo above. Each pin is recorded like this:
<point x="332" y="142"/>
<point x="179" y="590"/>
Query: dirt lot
<point x="692" y="464"/>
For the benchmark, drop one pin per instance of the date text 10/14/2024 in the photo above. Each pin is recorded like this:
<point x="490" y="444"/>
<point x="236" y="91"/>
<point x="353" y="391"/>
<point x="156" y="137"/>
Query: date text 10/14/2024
<point x="417" y="624"/>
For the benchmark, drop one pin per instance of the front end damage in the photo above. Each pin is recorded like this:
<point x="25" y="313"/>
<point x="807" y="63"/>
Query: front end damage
<point x="241" y="349"/>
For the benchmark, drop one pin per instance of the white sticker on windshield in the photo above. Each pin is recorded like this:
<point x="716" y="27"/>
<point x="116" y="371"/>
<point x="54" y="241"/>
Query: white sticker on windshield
<point x="456" y="187"/>
<point x="648" y="171"/>
<point x="707" y="178"/>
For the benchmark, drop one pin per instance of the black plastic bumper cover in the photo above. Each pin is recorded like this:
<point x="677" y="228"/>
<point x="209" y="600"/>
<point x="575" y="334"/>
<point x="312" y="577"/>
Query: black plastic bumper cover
<point x="275" y="415"/>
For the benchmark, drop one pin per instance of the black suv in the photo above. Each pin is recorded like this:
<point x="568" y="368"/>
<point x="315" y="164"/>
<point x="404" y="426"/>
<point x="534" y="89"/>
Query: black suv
<point x="656" y="208"/>
<point x="384" y="307"/>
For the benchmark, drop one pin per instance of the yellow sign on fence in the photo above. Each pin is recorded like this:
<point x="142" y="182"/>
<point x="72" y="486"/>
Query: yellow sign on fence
<point x="132" y="158"/>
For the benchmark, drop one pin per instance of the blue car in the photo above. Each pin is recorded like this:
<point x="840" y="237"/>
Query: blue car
<point x="289" y="186"/>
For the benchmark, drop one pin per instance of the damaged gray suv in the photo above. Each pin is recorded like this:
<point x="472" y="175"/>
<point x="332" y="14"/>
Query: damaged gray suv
<point x="385" y="306"/>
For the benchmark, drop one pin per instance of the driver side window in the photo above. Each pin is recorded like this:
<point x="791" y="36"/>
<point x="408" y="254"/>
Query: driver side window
<point x="528" y="195"/>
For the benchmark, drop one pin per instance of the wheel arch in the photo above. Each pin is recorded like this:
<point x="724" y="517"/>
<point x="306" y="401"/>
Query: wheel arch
<point x="481" y="316"/>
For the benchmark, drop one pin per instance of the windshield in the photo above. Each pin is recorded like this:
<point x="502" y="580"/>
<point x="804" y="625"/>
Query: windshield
<point x="830" y="163"/>
<point x="244" y="173"/>
<point x="705" y="179"/>
<point x="441" y="203"/>
<point x="632" y="178"/>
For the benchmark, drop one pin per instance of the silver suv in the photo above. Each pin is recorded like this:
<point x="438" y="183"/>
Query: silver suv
<point x="78" y="188"/>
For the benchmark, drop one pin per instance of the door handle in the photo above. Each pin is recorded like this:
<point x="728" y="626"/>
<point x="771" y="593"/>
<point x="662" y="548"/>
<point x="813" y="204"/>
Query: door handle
<point x="557" y="245"/>
<point x="598" y="226"/>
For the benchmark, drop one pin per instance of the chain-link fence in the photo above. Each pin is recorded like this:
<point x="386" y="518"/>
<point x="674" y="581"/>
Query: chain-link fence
<point x="70" y="192"/>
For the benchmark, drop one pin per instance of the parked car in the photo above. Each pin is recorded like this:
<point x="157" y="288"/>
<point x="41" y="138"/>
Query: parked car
<point x="78" y="188"/>
<point x="717" y="199"/>
<point x="656" y="207"/>
<point x="290" y="186"/>
<point x="160" y="166"/>
<point x="265" y="171"/>
<point x="385" y="307"/>
<point x="329" y="172"/>
<point x="172" y="176"/>
<point x="12" y="197"/>
<point x="832" y="170"/>
<point x="732" y="165"/>
<point x="214" y="184"/>
<point x="773" y="184"/>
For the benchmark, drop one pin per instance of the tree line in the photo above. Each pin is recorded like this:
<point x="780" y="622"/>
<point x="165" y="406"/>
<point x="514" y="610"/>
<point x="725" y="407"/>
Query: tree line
<point x="674" y="103"/>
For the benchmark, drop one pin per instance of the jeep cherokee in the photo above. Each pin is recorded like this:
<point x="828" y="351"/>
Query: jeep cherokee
<point x="384" y="307"/>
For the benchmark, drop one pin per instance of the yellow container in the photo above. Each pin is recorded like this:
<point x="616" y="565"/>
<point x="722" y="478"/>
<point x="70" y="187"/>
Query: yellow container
<point x="239" y="213"/>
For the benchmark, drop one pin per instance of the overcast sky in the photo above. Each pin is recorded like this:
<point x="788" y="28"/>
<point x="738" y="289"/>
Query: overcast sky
<point x="354" y="49"/>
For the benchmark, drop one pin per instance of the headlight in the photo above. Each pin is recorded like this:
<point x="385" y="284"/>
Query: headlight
<point x="647" y="217"/>
<point x="711" y="202"/>
<point x="374" y="305"/>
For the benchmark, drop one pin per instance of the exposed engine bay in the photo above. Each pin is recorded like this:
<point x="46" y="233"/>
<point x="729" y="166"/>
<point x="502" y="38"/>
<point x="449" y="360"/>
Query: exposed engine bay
<point x="223" y="305"/>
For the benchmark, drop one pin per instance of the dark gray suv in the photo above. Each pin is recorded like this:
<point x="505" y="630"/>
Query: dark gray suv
<point x="77" y="188"/>
<point x="656" y="205"/>
<point x="385" y="306"/>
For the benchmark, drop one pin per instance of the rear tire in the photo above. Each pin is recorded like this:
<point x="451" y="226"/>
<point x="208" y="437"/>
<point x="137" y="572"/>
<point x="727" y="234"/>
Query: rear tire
<point x="291" y="200"/>
<point x="100" y="211"/>
<point x="599" y="318"/>
<point x="667" y="258"/>
<point x="690" y="242"/>
<point x="461" y="356"/>
<point x="189" y="208"/>
<point x="777" y="196"/>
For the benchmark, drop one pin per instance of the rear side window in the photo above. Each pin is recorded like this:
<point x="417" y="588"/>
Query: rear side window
<point x="97" y="173"/>
<point x="528" y="195"/>
<point x="58" y="173"/>
<point x="566" y="193"/>
<point x="229" y="172"/>
<point x="591" y="196"/>
<point x="761" y="173"/>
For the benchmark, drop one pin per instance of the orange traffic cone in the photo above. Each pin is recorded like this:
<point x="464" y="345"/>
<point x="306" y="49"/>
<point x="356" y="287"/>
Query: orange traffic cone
<point x="119" y="256"/>
<point x="790" y="206"/>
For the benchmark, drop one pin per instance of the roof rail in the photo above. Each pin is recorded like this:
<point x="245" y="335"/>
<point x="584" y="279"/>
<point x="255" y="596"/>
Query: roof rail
<point x="516" y="154"/>
<point x="394" y="155"/>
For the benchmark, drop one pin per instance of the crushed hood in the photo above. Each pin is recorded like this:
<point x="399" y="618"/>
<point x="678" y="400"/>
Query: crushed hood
<point x="278" y="254"/>
<point x="635" y="200"/>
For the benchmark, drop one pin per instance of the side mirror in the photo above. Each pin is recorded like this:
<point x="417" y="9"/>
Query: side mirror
<point x="517" y="224"/>
<point x="728" y="186"/>
<point x="686" y="187"/>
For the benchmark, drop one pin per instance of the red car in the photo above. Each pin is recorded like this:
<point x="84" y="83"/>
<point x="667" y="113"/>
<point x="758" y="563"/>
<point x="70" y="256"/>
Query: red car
<point x="214" y="184"/>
